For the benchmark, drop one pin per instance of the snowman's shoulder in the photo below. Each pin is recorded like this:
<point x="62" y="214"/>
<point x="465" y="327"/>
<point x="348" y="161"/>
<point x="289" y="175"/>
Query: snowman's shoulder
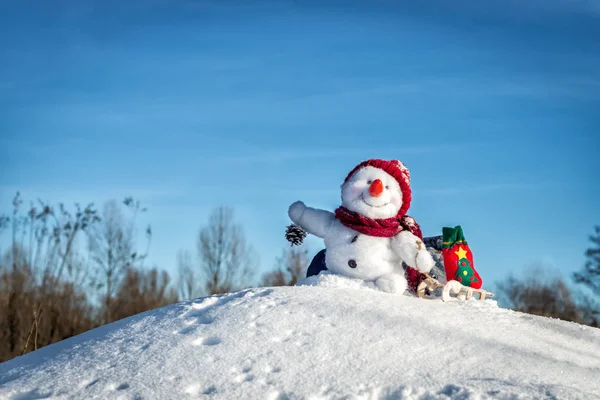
<point x="337" y="229"/>
<point x="404" y="235"/>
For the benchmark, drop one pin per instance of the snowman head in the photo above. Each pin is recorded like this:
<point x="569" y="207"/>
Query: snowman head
<point x="377" y="189"/>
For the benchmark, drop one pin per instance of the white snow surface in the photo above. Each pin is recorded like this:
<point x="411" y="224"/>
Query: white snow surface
<point x="330" y="337"/>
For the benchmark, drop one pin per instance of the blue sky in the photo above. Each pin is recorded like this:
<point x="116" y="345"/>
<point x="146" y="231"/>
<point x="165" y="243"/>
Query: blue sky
<point x="188" y="105"/>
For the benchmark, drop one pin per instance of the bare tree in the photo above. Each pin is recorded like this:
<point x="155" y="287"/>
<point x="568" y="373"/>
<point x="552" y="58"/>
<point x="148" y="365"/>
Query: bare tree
<point x="39" y="275"/>
<point x="142" y="290"/>
<point x="290" y="268"/>
<point x="113" y="250"/>
<point x="44" y="275"/>
<point x="187" y="281"/>
<point x="4" y="222"/>
<point x="226" y="260"/>
<point x="541" y="293"/>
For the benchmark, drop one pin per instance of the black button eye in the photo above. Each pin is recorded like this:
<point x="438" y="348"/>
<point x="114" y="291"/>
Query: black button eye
<point x="387" y="187"/>
<point x="369" y="182"/>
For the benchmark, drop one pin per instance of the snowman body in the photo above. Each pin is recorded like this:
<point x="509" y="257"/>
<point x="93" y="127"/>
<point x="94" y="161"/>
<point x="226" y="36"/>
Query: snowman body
<point x="356" y="255"/>
<point x="375" y="195"/>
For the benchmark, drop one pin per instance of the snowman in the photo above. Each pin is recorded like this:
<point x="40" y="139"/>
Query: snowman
<point x="369" y="235"/>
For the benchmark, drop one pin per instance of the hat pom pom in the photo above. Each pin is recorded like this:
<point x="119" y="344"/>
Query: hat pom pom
<point x="295" y="234"/>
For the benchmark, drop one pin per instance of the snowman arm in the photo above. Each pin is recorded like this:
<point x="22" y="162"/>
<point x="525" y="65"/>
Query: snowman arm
<point x="315" y="221"/>
<point x="414" y="255"/>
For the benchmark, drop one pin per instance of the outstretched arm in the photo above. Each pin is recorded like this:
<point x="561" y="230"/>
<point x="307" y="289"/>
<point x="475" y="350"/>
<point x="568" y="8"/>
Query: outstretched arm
<point x="312" y="220"/>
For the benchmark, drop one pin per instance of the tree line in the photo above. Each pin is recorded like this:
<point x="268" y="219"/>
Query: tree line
<point x="67" y="271"/>
<point x="544" y="292"/>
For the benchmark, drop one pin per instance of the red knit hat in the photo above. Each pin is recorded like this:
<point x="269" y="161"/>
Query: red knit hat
<point x="396" y="169"/>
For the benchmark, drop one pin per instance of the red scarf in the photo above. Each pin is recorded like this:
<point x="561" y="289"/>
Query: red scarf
<point x="386" y="227"/>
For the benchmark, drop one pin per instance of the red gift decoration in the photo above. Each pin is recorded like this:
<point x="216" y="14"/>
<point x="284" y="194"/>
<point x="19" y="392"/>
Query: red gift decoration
<point x="458" y="258"/>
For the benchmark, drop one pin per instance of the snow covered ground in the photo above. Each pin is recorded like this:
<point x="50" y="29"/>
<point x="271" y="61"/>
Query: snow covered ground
<point x="330" y="338"/>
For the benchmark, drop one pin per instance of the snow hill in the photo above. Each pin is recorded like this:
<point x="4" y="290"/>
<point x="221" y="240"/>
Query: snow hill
<point x="328" y="338"/>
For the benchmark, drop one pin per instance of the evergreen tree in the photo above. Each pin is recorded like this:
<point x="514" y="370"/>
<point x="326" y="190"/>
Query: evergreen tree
<point x="590" y="274"/>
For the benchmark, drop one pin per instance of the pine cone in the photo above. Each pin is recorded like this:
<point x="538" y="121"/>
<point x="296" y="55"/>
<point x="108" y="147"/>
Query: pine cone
<point x="295" y="234"/>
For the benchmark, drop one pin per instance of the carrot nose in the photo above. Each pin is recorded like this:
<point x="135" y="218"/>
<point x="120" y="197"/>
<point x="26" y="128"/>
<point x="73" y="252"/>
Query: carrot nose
<point x="376" y="188"/>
